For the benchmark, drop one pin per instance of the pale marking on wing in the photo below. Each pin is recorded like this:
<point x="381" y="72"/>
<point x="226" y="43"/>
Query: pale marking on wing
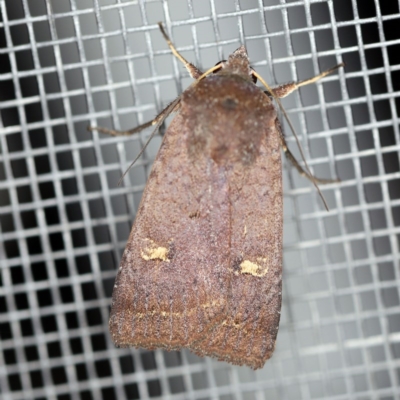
<point x="248" y="267"/>
<point x="167" y="314"/>
<point x="236" y="325"/>
<point x="154" y="252"/>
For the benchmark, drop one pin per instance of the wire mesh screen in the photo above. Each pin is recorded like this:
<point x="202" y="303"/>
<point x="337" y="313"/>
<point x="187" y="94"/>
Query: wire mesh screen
<point x="65" y="221"/>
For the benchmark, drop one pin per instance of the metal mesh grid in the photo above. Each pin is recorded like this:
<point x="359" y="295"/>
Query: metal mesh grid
<point x="64" y="220"/>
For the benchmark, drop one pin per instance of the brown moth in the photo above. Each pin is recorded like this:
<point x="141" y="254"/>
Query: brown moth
<point x="202" y="268"/>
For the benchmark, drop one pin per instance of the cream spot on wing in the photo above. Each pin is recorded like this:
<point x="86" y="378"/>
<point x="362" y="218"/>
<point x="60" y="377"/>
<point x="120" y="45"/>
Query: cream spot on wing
<point x="248" y="267"/>
<point x="151" y="251"/>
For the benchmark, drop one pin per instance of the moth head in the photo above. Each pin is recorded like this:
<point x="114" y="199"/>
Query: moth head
<point x="237" y="64"/>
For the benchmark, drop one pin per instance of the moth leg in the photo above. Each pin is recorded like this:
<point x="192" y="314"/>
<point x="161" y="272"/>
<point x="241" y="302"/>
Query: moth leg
<point x="295" y="163"/>
<point x="194" y="72"/>
<point x="113" y="132"/>
<point x="287" y="88"/>
<point x="171" y="107"/>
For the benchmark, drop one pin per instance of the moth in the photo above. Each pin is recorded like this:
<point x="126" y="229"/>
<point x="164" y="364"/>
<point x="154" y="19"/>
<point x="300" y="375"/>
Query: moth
<point x="202" y="268"/>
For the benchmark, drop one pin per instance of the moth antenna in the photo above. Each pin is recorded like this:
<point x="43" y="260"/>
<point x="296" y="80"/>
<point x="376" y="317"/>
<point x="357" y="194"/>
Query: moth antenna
<point x="269" y="89"/>
<point x="159" y="121"/>
<point x="195" y="73"/>
<point x="162" y="117"/>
